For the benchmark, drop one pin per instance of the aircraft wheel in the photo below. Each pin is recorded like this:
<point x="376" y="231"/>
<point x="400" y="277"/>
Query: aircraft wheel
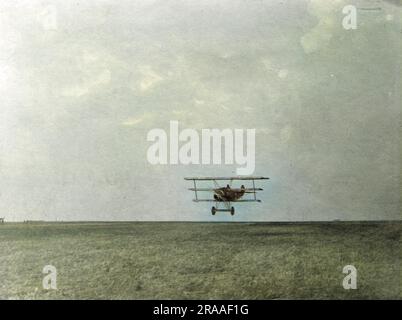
<point x="232" y="211"/>
<point x="213" y="210"/>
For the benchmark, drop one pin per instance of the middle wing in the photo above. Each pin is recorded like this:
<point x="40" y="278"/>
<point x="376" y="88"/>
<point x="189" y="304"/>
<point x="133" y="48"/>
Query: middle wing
<point x="234" y="189"/>
<point x="213" y="200"/>
<point x="226" y="178"/>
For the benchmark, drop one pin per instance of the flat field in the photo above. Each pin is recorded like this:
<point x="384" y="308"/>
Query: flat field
<point x="166" y="260"/>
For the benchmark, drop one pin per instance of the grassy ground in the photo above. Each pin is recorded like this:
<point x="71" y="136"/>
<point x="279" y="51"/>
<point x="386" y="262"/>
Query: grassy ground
<point x="200" y="260"/>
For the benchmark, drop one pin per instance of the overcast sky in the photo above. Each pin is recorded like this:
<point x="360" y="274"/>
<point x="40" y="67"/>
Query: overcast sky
<point x="82" y="83"/>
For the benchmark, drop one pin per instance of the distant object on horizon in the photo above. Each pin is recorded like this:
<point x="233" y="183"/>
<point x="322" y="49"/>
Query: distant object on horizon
<point x="34" y="221"/>
<point x="227" y="194"/>
<point x="2" y="220"/>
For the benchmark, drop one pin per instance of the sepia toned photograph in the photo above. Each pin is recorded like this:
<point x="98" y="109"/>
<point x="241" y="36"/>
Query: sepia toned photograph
<point x="200" y="150"/>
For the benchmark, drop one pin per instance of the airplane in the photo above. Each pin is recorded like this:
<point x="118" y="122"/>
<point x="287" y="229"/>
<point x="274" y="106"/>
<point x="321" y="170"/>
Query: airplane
<point x="226" y="195"/>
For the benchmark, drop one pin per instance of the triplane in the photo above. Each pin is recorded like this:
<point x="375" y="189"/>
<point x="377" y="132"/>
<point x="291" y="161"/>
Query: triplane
<point x="228" y="194"/>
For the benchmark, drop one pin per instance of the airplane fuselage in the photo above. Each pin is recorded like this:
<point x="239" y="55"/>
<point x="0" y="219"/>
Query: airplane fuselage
<point x="228" y="194"/>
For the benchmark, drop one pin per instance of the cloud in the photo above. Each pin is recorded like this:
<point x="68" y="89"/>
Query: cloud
<point x="81" y="89"/>
<point x="283" y="73"/>
<point x="132" y="121"/>
<point x="149" y="78"/>
<point x="320" y="35"/>
<point x="136" y="120"/>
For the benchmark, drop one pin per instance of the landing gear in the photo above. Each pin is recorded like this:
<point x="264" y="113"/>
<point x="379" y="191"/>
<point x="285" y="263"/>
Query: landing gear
<point x="216" y="209"/>
<point x="213" y="210"/>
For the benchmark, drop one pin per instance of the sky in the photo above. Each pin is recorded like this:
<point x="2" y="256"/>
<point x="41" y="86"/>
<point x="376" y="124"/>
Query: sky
<point x="83" y="82"/>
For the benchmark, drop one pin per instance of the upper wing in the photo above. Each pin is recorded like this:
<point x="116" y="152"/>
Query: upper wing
<point x="226" y="178"/>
